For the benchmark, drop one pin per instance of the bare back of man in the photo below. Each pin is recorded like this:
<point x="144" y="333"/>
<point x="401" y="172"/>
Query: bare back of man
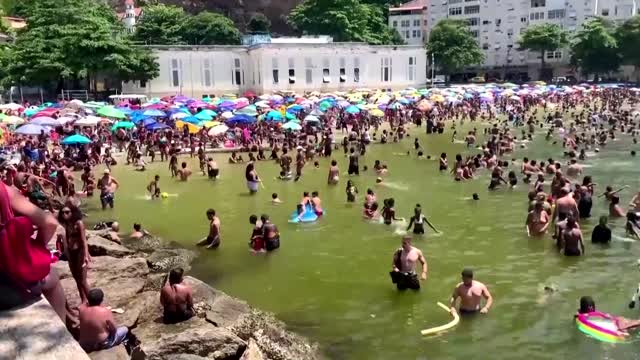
<point x="95" y="326"/>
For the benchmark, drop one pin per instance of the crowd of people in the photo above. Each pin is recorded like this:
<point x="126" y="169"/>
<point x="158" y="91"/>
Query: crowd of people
<point x="40" y="184"/>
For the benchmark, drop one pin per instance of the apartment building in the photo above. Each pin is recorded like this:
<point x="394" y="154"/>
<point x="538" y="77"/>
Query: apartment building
<point x="497" y="25"/>
<point x="410" y="20"/>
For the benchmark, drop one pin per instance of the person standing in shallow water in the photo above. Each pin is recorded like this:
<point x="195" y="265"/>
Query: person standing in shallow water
<point x="417" y="221"/>
<point x="403" y="266"/>
<point x="213" y="239"/>
<point x="471" y="293"/>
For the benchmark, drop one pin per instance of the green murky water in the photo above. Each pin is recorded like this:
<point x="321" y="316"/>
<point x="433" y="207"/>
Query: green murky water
<point x="329" y="280"/>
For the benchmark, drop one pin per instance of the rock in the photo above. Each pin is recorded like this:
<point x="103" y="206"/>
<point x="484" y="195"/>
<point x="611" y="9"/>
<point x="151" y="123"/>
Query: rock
<point x="195" y="337"/>
<point x="252" y="352"/>
<point x="116" y="353"/>
<point x="146" y="244"/>
<point x="164" y="260"/>
<point x="144" y="307"/>
<point x="99" y="246"/>
<point x="155" y="282"/>
<point x="221" y="309"/>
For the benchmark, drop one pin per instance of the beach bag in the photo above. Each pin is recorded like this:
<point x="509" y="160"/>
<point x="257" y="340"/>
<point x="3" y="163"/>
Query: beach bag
<point x="24" y="260"/>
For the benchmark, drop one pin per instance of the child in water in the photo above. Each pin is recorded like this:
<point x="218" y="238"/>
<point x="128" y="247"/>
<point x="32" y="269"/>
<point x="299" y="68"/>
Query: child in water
<point x="154" y="187"/>
<point x="351" y="191"/>
<point x="257" y="241"/>
<point x="275" y="199"/>
<point x="588" y="306"/>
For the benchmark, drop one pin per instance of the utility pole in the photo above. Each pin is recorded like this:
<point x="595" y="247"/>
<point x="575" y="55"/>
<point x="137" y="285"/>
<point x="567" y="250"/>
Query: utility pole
<point x="433" y="68"/>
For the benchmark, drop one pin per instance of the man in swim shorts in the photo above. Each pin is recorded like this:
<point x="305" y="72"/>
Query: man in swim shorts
<point x="403" y="266"/>
<point x="471" y="293"/>
<point x="107" y="184"/>
<point x="317" y="203"/>
<point x="213" y="239"/>
<point x="212" y="169"/>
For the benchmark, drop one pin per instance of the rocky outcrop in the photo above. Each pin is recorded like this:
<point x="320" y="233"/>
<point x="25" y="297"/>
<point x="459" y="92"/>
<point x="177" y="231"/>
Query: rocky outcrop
<point x="100" y="246"/>
<point x="224" y="328"/>
<point x="115" y="353"/>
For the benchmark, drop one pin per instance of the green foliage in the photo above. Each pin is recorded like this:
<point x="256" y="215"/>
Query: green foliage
<point x="595" y="49"/>
<point x="161" y="25"/>
<point x="259" y="24"/>
<point x="628" y="38"/>
<point x="543" y="38"/>
<point x="73" y="39"/>
<point x="344" y="20"/>
<point x="454" y="46"/>
<point x="209" y="28"/>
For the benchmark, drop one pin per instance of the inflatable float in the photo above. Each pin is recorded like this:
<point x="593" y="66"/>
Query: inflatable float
<point x="452" y="323"/>
<point x="599" y="327"/>
<point x="308" y="216"/>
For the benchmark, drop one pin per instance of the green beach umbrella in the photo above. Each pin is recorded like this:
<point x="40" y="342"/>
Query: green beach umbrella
<point x="123" y="125"/>
<point x="110" y="111"/>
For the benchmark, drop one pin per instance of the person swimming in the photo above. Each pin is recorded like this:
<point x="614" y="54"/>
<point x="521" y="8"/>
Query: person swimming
<point x="389" y="212"/>
<point x="351" y="191"/>
<point x="275" y="199"/>
<point x="316" y="203"/>
<point x="417" y="221"/>
<point x="588" y="307"/>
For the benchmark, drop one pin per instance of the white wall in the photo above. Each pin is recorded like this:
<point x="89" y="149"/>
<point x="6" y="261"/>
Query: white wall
<point x="189" y="65"/>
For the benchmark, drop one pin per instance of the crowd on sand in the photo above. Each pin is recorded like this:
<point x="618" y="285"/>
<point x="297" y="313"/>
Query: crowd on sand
<point x="40" y="190"/>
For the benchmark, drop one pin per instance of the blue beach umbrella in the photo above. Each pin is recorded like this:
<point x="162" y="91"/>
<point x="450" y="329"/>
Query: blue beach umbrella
<point x="242" y="119"/>
<point x="154" y="112"/>
<point x="273" y="116"/>
<point x="157" y="126"/>
<point x="76" y="140"/>
<point x="191" y="119"/>
<point x="203" y="116"/>
<point x="352" y="109"/>
<point x="148" y="121"/>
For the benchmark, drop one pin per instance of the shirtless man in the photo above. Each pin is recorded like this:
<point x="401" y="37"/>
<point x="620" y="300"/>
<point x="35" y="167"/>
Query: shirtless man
<point x="571" y="239"/>
<point x="108" y="185"/>
<point x="574" y="169"/>
<point x="270" y="233"/>
<point x="615" y="210"/>
<point x="176" y="299"/>
<point x="537" y="220"/>
<point x="565" y="205"/>
<point x="316" y="203"/>
<point x="299" y="163"/>
<point x="212" y="169"/>
<point x="213" y="239"/>
<point x="471" y="293"/>
<point x="403" y="266"/>
<point x="184" y="172"/>
<point x="138" y="233"/>
<point x="98" y="330"/>
<point x="334" y="172"/>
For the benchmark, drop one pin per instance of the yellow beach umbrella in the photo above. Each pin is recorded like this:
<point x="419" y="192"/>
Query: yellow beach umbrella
<point x="13" y="120"/>
<point x="210" y="124"/>
<point x="193" y="129"/>
<point x="376" y="113"/>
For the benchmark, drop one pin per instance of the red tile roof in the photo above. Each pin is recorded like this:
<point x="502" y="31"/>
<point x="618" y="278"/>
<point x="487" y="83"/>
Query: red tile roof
<point x="137" y="11"/>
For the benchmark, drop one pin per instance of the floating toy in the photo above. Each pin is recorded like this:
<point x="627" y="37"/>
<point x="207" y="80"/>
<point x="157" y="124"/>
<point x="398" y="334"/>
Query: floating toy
<point x="308" y="216"/>
<point x="164" y="195"/>
<point x="599" y="327"/>
<point x="452" y="323"/>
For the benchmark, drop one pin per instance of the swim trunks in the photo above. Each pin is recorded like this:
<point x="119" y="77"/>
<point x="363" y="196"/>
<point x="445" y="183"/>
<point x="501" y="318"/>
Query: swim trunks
<point x="405" y="280"/>
<point x="213" y="241"/>
<point x="272" y="244"/>
<point x="174" y="317"/>
<point x="572" y="252"/>
<point x="213" y="173"/>
<point x="468" y="312"/>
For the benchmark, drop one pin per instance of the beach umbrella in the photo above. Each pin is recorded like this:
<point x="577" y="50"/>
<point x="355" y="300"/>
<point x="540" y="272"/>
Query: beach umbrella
<point x="209" y="112"/>
<point x="154" y="113"/>
<point x="210" y="124"/>
<point x="193" y="129"/>
<point x="13" y="120"/>
<point x="290" y="116"/>
<point x="218" y="130"/>
<point x="295" y="108"/>
<point x="203" y="116"/>
<point x="311" y="118"/>
<point x="514" y="97"/>
<point x="242" y="119"/>
<point x="317" y="112"/>
<point x="351" y="109"/>
<point x="123" y="125"/>
<point x="110" y="111"/>
<point x="31" y="111"/>
<point x="148" y="122"/>
<point x="157" y="126"/>
<point x="376" y="113"/>
<point x="126" y="110"/>
<point x="11" y="106"/>
<point x="248" y="110"/>
<point x="273" y="116"/>
<point x="88" y="121"/>
<point x="76" y="140"/>
<point x="263" y="104"/>
<point x="293" y="126"/>
<point x="227" y="114"/>
<point x="395" y="105"/>
<point x="179" y="115"/>
<point x="31" y="129"/>
<point x="192" y="120"/>
<point x="45" y="121"/>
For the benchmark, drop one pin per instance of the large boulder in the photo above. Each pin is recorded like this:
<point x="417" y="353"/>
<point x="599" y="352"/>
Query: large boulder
<point x="195" y="337"/>
<point x="100" y="246"/>
<point x="144" y="307"/>
<point x="163" y="260"/>
<point x="220" y="309"/>
<point x="115" y="353"/>
<point x="252" y="352"/>
<point x="146" y="244"/>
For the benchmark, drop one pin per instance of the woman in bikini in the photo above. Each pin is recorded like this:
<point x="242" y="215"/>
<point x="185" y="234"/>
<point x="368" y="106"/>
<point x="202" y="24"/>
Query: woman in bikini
<point x="75" y="247"/>
<point x="537" y="220"/>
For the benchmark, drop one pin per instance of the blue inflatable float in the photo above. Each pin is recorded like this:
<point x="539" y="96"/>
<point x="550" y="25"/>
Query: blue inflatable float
<point x="308" y="216"/>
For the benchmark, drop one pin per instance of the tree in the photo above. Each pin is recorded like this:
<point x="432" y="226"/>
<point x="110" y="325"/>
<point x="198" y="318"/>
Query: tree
<point x="161" y="25"/>
<point x="543" y="38"/>
<point x="344" y="20"/>
<point x="259" y="24"/>
<point x="594" y="48"/>
<point x="628" y="38"/>
<point x="209" y="28"/>
<point x="453" y="46"/>
<point x="73" y="40"/>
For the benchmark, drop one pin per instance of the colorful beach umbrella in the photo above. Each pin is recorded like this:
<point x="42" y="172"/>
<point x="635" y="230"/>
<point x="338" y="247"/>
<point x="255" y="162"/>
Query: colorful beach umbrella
<point x="123" y="125"/>
<point x="193" y="129"/>
<point x="110" y="111"/>
<point x="154" y="113"/>
<point x="218" y="130"/>
<point x="76" y="140"/>
<point x="45" y="121"/>
<point x="352" y="109"/>
<point x="31" y="129"/>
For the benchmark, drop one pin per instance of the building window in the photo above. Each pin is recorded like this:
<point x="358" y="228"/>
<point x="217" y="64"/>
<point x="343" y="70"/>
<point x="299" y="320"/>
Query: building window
<point x="498" y="22"/>
<point x="206" y="73"/>
<point x="343" y="75"/>
<point x="553" y="55"/>
<point x="523" y="19"/>
<point x="474" y="9"/>
<point x="385" y="69"/>
<point x="455" y="1"/>
<point x="475" y="33"/>
<point x="455" y="11"/>
<point x="238" y="76"/>
<point x="143" y="83"/>
<point x="509" y="32"/>
<point x="605" y="12"/>
<point x="326" y="76"/>
<point x="485" y="46"/>
<point x="538" y="3"/>
<point x="275" y="71"/>
<point x="356" y="70"/>
<point x="486" y="22"/>
<point x="556" y="14"/>
<point x="405" y="23"/>
<point x="176" y="73"/>
<point x="536" y="16"/>
<point x="292" y="76"/>
<point x="416" y="22"/>
<point x="474" y="21"/>
<point x="412" y="68"/>
<point x="395" y="23"/>
<point x="308" y="64"/>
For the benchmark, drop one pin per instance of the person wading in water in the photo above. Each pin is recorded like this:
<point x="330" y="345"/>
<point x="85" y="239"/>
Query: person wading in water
<point x="403" y="266"/>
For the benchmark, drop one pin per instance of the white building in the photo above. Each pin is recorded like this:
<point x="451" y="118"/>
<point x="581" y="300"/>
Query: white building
<point x="410" y="20"/>
<point x="130" y="16"/>
<point x="264" y="68"/>
<point x="497" y="25"/>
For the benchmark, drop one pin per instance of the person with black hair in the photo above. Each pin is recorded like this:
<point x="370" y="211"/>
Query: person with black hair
<point x="403" y="272"/>
<point x="98" y="329"/>
<point x="176" y="299"/>
<point x="76" y="248"/>
<point x="417" y="221"/>
<point x="470" y="293"/>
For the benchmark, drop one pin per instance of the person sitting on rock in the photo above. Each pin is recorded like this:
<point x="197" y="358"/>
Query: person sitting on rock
<point x="176" y="299"/>
<point x="98" y="330"/>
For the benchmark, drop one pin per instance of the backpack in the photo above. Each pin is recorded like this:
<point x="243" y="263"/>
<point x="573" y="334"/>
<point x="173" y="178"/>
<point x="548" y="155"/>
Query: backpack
<point x="24" y="260"/>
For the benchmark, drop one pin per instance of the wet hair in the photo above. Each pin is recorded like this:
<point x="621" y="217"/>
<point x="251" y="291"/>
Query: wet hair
<point x="443" y="155"/>
<point x="274" y="196"/>
<point x="314" y="194"/>
<point x="633" y="153"/>
<point x="253" y="219"/>
<point x="467" y="273"/>
<point x="184" y="165"/>
<point x="374" y="206"/>
<point x="264" y="217"/>
<point x="137" y="227"/>
<point x="316" y="164"/>
<point x="175" y="276"/>
<point x="95" y="297"/>
<point x="157" y="177"/>
<point x="420" y="153"/>
<point x="365" y="168"/>
<point x="334" y="163"/>
<point x="475" y="196"/>
<point x="587" y="305"/>
<point x="211" y="212"/>
<point x="305" y="194"/>
<point x="369" y="192"/>
<point x="391" y="202"/>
